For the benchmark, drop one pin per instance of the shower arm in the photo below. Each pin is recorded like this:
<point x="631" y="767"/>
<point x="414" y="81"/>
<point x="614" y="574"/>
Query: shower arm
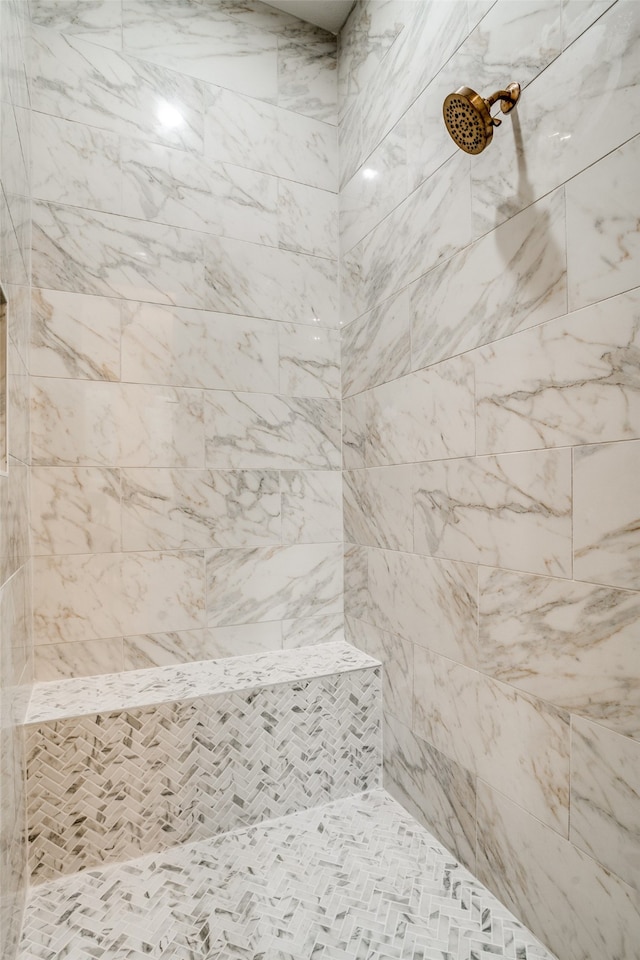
<point x="508" y="101"/>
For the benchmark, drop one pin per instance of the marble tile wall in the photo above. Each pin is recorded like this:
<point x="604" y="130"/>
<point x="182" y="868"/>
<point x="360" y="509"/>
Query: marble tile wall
<point x="15" y="579"/>
<point x="186" y="350"/>
<point x="491" y="439"/>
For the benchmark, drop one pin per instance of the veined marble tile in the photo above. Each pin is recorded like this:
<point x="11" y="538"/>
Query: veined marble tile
<point x="59" y="661"/>
<point x="396" y="656"/>
<point x="14" y="519"/>
<point x="578" y="15"/>
<point x="378" y="507"/>
<point x="309" y="361"/>
<point x="165" y="649"/>
<point x="197" y="348"/>
<point x="185" y="190"/>
<point x="349" y="144"/>
<point x="377" y="346"/>
<point x="75" y="336"/>
<point x="18" y="396"/>
<point x="512" y="510"/>
<point x="518" y="744"/>
<point x="572" y="380"/>
<point x="99" y="253"/>
<point x="606" y="512"/>
<point x="435" y="790"/>
<point x="567" y="899"/>
<point x="19" y="296"/>
<point x="375" y="189"/>
<point x="245" y="640"/>
<point x="509" y="280"/>
<point x="571" y="644"/>
<point x="84" y="423"/>
<point x="399" y="249"/>
<point x="273" y="583"/>
<point x="307" y="219"/>
<point x="311" y="506"/>
<point x="356" y="417"/>
<point x="532" y="27"/>
<point x="433" y="603"/>
<point x="193" y="509"/>
<point x="308" y="80"/>
<point x="89" y="597"/>
<point x="310" y="631"/>
<point x="99" y="21"/>
<point x="252" y="134"/>
<point x="245" y="430"/>
<point x="76" y="164"/>
<point x="262" y="281"/>
<point x="605" y="786"/>
<point x="511" y="177"/>
<point x="78" y="80"/>
<point x="75" y="510"/>
<point x="356" y="580"/>
<point x="423" y="416"/>
<point x="210" y="46"/>
<point x="603" y="241"/>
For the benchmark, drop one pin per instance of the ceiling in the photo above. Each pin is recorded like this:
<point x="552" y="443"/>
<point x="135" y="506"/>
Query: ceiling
<point x="328" y="14"/>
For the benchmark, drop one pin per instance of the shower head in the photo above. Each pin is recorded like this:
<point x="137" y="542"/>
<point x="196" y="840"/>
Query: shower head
<point x="468" y="119"/>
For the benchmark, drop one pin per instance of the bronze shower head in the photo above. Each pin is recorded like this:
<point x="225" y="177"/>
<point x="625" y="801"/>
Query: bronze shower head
<point x="468" y="119"/>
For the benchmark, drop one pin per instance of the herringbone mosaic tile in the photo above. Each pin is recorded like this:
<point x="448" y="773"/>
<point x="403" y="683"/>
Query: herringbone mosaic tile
<point x="113" y="786"/>
<point x="357" y="879"/>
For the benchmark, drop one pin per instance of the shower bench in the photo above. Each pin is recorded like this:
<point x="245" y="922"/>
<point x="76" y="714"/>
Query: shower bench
<point x="133" y="763"/>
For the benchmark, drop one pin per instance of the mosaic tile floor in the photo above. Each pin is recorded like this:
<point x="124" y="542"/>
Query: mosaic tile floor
<point x="357" y="879"/>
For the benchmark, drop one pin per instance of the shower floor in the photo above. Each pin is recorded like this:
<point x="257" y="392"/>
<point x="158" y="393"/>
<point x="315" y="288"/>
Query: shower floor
<point x="357" y="879"/>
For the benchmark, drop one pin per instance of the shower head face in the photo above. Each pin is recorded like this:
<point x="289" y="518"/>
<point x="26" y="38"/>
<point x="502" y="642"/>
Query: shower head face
<point x="468" y="120"/>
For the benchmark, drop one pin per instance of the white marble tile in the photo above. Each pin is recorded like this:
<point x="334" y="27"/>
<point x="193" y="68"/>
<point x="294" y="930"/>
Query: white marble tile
<point x="193" y="509"/>
<point x="185" y="190"/>
<point x="74" y="336"/>
<point x="84" y="423"/>
<point x="433" y="603"/>
<point x="435" y="790"/>
<point x="259" y="281"/>
<point x="309" y="361"/>
<point x="245" y="430"/>
<point x="356" y="417"/>
<point x="399" y="249"/>
<point x="545" y="147"/>
<point x="565" y="897"/>
<point x="356" y="580"/>
<point x="378" y="507"/>
<point x="603" y="242"/>
<point x="76" y="164"/>
<point x="605" y="786"/>
<point x="84" y="696"/>
<point x="212" y="47"/>
<point x="243" y="641"/>
<point x="396" y="656"/>
<point x="90" y="658"/>
<point x="165" y="649"/>
<point x="307" y="219"/>
<point x="377" y="346"/>
<point x="88" y="597"/>
<point x="310" y="631"/>
<point x="99" y="21"/>
<point x="375" y="189"/>
<point x="273" y="583"/>
<point x="532" y="27"/>
<point x="578" y="15"/>
<point x="606" y="512"/>
<point x="518" y="744"/>
<point x="423" y="416"/>
<point x="571" y="644"/>
<point x="263" y="137"/>
<point x="78" y="80"/>
<point x="308" y="80"/>
<point x="84" y="251"/>
<point x="311" y="506"/>
<point x="512" y="510"/>
<point x="14" y="519"/>
<point x="75" y="510"/>
<point x="568" y="381"/>
<point x="509" y="280"/>
<point x="197" y="348"/>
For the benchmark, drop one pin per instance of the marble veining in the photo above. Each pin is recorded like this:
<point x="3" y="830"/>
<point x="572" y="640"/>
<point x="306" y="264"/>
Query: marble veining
<point x="377" y="346"/>
<point x="86" y="696"/>
<point x="75" y="336"/>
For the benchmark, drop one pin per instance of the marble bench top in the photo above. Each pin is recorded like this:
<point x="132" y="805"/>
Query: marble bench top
<point x="84" y="696"/>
